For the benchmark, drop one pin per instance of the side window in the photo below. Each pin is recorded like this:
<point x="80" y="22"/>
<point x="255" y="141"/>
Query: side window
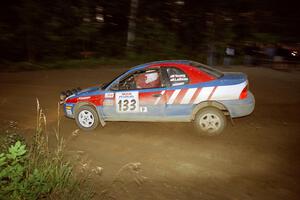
<point x="126" y="84"/>
<point x="177" y="76"/>
<point x="148" y="79"/>
<point x="141" y="80"/>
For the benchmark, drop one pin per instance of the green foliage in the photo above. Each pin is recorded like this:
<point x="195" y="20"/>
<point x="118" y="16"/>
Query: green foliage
<point x="10" y="139"/>
<point x="36" y="172"/>
<point x="12" y="171"/>
<point x="48" y="178"/>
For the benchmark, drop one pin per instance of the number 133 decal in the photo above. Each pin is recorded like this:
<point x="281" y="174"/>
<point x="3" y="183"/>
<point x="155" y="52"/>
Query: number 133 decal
<point x="127" y="102"/>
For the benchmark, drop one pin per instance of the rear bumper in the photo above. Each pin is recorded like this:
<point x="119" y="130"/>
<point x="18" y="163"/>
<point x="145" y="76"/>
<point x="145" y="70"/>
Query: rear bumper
<point x="240" y="108"/>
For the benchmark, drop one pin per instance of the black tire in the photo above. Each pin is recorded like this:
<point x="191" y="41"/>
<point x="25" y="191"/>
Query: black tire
<point x="86" y="118"/>
<point x="210" y="121"/>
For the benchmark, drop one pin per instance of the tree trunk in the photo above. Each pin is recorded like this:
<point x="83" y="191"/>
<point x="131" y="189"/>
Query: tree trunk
<point x="132" y="23"/>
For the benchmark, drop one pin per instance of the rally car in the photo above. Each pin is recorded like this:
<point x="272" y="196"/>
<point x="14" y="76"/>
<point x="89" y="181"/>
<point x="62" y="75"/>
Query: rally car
<point x="164" y="91"/>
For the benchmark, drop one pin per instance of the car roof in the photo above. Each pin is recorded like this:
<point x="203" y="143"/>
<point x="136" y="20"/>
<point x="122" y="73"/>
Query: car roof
<point x="142" y="66"/>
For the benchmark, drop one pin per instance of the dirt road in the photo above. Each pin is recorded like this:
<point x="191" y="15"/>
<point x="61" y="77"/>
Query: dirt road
<point x="257" y="158"/>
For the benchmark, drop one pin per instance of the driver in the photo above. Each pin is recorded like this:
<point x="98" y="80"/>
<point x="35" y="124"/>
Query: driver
<point x="147" y="80"/>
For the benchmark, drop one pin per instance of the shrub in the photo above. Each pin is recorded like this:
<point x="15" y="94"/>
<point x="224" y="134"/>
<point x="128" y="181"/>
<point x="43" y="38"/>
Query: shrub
<point x="37" y="173"/>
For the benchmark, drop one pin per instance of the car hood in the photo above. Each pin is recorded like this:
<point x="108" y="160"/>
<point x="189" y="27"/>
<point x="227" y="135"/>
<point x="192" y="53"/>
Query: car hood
<point x="85" y="92"/>
<point x="88" y="91"/>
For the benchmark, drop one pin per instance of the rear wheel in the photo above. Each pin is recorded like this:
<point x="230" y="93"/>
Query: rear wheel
<point x="210" y="121"/>
<point x="86" y="118"/>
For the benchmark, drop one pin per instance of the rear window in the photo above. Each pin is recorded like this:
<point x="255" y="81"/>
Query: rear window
<point x="211" y="71"/>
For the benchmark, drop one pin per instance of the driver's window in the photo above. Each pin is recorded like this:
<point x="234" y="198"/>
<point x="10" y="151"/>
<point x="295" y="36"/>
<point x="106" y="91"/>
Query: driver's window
<point x="141" y="80"/>
<point x="148" y="79"/>
<point x="127" y="83"/>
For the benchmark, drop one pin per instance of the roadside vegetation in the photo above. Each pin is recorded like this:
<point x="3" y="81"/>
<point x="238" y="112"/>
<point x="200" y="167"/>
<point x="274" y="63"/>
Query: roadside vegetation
<point x="34" y="171"/>
<point x="35" y="168"/>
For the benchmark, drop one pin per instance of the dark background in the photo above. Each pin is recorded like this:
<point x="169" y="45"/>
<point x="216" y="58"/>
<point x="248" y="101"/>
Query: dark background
<point x="55" y="29"/>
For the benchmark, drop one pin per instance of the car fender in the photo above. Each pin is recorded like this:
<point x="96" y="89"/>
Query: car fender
<point x="100" y="115"/>
<point x="214" y="104"/>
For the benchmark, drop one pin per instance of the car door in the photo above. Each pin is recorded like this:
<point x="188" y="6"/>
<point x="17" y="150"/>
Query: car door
<point x="179" y="94"/>
<point x="136" y="97"/>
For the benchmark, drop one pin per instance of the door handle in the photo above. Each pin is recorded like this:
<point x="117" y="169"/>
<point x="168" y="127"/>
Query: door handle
<point x="157" y="95"/>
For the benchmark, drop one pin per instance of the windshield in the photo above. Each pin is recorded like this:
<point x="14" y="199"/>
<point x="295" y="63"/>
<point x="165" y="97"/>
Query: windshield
<point x="209" y="70"/>
<point x="105" y="85"/>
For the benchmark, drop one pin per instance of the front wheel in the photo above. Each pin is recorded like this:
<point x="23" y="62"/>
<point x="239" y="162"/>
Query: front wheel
<point x="210" y="121"/>
<point x="86" y="118"/>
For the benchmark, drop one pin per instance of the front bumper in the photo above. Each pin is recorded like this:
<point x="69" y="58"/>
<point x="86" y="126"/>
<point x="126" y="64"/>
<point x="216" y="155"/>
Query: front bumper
<point x="69" y="110"/>
<point x="240" y="108"/>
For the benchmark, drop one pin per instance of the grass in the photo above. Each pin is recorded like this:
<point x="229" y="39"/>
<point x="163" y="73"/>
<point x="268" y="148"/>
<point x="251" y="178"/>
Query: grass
<point x="33" y="171"/>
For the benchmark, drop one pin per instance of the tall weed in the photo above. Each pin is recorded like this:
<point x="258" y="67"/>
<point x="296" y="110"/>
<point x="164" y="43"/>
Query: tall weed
<point x="35" y="172"/>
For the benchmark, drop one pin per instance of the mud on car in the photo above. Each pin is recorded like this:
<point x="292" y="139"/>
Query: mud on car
<point x="164" y="91"/>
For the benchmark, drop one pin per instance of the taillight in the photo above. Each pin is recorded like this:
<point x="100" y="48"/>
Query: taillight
<point x="244" y="93"/>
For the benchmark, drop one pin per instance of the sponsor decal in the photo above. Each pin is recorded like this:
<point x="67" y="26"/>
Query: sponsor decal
<point x="127" y="102"/>
<point x="143" y="109"/>
<point x="69" y="112"/>
<point x="68" y="107"/>
<point x="176" y="84"/>
<point x="108" y="102"/>
<point x="178" y="77"/>
<point x="84" y="98"/>
<point x="109" y="95"/>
